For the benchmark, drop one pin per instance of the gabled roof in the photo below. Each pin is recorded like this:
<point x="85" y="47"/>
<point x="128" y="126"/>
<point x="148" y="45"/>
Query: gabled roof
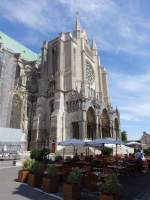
<point x="16" y="47"/>
<point x="144" y="133"/>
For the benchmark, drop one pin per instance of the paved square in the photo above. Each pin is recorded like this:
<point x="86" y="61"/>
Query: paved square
<point x="12" y="190"/>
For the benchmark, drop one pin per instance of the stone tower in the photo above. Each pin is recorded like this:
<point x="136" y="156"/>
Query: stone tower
<point x="73" y="97"/>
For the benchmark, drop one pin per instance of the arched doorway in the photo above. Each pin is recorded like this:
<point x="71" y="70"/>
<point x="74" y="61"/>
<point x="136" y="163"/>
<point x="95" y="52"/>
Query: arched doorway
<point x="105" y="124"/>
<point x="117" y="127"/>
<point x="16" y="112"/>
<point x="91" y="124"/>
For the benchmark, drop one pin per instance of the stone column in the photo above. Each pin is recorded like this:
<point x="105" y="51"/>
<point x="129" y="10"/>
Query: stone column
<point x="100" y="128"/>
<point x="97" y="128"/>
<point x="83" y="129"/>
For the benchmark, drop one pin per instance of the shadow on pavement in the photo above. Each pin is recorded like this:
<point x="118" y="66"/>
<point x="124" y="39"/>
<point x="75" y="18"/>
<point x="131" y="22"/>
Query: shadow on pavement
<point x="29" y="193"/>
<point x="135" y="185"/>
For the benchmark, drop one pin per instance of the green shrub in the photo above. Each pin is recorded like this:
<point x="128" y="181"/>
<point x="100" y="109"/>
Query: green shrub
<point x="75" y="176"/>
<point x="44" y="153"/>
<point x="35" y="154"/>
<point x="52" y="171"/>
<point x="146" y="151"/>
<point x="28" y="164"/>
<point x="111" y="185"/>
<point x="36" y="168"/>
<point x="39" y="155"/>
<point x="58" y="158"/>
<point x="68" y="158"/>
<point x="106" y="151"/>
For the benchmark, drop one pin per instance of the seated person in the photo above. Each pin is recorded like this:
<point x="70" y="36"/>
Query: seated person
<point x="131" y="157"/>
<point x="82" y="156"/>
<point x="76" y="157"/>
<point x="125" y="159"/>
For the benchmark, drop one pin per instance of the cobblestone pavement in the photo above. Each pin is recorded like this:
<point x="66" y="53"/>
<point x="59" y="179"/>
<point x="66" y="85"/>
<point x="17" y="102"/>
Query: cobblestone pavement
<point x="136" y="187"/>
<point x="12" y="190"/>
<point x="145" y="195"/>
<point x="7" y="163"/>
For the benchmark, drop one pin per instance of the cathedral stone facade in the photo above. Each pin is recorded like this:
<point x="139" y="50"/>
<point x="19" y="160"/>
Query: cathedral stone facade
<point x="61" y="94"/>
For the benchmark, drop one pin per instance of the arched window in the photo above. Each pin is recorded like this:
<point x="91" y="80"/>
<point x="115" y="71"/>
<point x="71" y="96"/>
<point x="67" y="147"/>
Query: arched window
<point x="117" y="127"/>
<point x="16" y="112"/>
<point x="75" y="130"/>
<point x="54" y="59"/>
<point x="105" y="124"/>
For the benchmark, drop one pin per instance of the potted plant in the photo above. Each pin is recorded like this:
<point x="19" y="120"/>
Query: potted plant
<point x="50" y="182"/>
<point x="58" y="158"/>
<point x="68" y="158"/>
<point x="71" y="189"/>
<point x="35" y="176"/>
<point x="111" y="188"/>
<point x="24" y="172"/>
<point x="106" y="151"/>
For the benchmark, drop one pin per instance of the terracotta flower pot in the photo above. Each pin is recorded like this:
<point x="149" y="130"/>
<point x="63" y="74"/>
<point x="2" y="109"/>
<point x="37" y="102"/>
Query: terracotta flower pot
<point x="35" y="180"/>
<point x="23" y="175"/>
<point x="108" y="197"/>
<point x="50" y="184"/>
<point x="71" y="191"/>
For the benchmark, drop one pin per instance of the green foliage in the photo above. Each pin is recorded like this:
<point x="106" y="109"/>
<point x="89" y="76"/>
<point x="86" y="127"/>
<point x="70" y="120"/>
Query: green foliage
<point x="36" y="167"/>
<point x="68" y="158"/>
<point x="58" y="158"/>
<point x="75" y="176"/>
<point x="52" y="171"/>
<point x="111" y="185"/>
<point x="35" y="154"/>
<point x="28" y="164"/>
<point x="44" y="153"/>
<point x="146" y="151"/>
<point x="106" y="151"/>
<point x="39" y="155"/>
<point x="124" y="137"/>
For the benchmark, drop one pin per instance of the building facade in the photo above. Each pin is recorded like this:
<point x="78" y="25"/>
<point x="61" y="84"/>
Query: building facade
<point x="65" y="93"/>
<point x="145" y="140"/>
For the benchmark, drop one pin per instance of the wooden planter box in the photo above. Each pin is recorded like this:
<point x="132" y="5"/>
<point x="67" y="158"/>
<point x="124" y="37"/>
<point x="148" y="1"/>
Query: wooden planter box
<point x="23" y="175"/>
<point x="108" y="197"/>
<point x="35" y="180"/>
<point x="50" y="184"/>
<point x="71" y="191"/>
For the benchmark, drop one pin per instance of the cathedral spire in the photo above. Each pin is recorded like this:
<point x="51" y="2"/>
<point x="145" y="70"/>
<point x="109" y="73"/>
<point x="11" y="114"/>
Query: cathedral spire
<point x="77" y="23"/>
<point x="94" y="47"/>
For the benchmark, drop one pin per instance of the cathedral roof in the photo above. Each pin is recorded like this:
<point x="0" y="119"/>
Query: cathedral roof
<point x="16" y="47"/>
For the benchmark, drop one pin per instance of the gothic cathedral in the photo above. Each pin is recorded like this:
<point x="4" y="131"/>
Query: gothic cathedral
<point x="61" y="94"/>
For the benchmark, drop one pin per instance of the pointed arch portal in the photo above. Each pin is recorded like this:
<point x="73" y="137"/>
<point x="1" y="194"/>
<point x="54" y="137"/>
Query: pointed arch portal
<point x="91" y="124"/>
<point x="105" y="124"/>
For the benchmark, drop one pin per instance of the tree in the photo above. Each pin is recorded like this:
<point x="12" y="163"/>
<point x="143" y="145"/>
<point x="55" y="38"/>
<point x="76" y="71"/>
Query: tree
<point x="124" y="136"/>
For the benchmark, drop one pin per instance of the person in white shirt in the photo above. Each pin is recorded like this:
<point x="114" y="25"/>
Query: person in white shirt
<point x="139" y="158"/>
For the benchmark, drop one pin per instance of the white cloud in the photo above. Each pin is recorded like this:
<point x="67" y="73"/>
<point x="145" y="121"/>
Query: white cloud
<point x="133" y="95"/>
<point x="115" y="25"/>
<point x="132" y="83"/>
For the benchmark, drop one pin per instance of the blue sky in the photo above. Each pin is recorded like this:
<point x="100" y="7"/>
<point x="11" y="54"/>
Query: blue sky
<point x="121" y="29"/>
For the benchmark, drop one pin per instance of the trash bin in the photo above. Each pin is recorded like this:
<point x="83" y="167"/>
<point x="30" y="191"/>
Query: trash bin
<point x="14" y="163"/>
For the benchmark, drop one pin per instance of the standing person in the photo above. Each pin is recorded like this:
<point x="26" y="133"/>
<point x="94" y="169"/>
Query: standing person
<point x="139" y="159"/>
<point x="53" y="146"/>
